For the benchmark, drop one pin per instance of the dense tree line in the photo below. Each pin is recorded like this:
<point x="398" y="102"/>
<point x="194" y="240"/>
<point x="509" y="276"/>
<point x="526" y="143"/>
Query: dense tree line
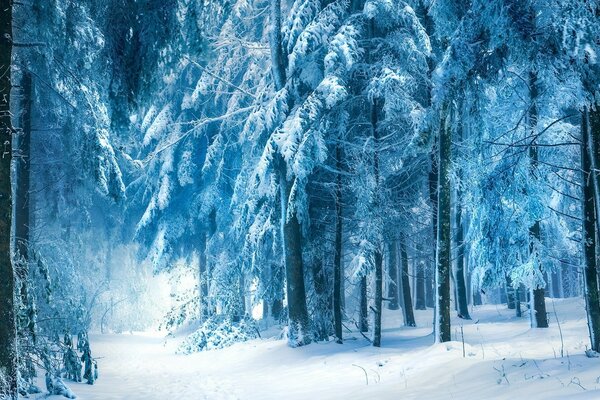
<point x="323" y="159"/>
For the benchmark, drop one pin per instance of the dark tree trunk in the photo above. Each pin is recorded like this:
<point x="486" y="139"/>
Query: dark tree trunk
<point x="22" y="161"/>
<point x="461" y="287"/>
<point x="444" y="237"/>
<point x="477" y="300"/>
<point x="430" y="287"/>
<point x="518" y="292"/>
<point x="337" y="262"/>
<point x="430" y="283"/>
<point x="22" y="204"/>
<point x="322" y="303"/>
<point x="378" y="298"/>
<point x="364" y="306"/>
<point x="298" y="324"/>
<point x="8" y="329"/>
<point x="409" y="316"/>
<point x="539" y="303"/>
<point x="555" y="278"/>
<point x="589" y="235"/>
<point x="510" y="294"/>
<point x="593" y="126"/>
<point x="298" y="321"/>
<point x="378" y="255"/>
<point x="393" y="303"/>
<point x="420" y="282"/>
<point x="203" y="277"/>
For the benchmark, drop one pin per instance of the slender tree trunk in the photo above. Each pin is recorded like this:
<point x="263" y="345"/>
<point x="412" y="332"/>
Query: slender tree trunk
<point x="277" y="279"/>
<point x="203" y="277"/>
<point x="393" y="277"/>
<point x="378" y="299"/>
<point x="409" y="316"/>
<point x="430" y="286"/>
<point x="420" y="282"/>
<point x="298" y="321"/>
<point x="364" y="306"/>
<point x="322" y="303"/>
<point x="8" y="328"/>
<point x="22" y="202"/>
<point x="539" y="303"/>
<point x="461" y="287"/>
<point x="589" y="233"/>
<point x="337" y="262"/>
<point x="477" y="300"/>
<point x="593" y="129"/>
<point x="518" y="291"/>
<point x="430" y="273"/>
<point x="444" y="236"/>
<point x="510" y="294"/>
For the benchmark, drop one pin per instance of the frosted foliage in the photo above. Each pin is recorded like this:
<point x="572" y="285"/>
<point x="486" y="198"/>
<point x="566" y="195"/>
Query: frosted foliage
<point x="159" y="125"/>
<point x="319" y="30"/>
<point x="218" y="333"/>
<point x="108" y="173"/>
<point x="186" y="168"/>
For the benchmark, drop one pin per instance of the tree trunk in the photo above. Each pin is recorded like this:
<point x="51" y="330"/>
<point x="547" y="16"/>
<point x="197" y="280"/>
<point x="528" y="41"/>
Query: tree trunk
<point x="393" y="303"/>
<point x="337" y="262"/>
<point x="378" y="298"/>
<point x="518" y="291"/>
<point x="420" y="282"/>
<point x="22" y="202"/>
<point x="363" y="312"/>
<point x="409" y="316"/>
<point x="592" y="122"/>
<point x="510" y="294"/>
<point x="8" y="329"/>
<point x="589" y="235"/>
<point x="298" y="321"/>
<point x="430" y="286"/>
<point x="430" y="273"/>
<point x="461" y="287"/>
<point x="444" y="236"/>
<point x="321" y="303"/>
<point x="539" y="303"/>
<point x="203" y="277"/>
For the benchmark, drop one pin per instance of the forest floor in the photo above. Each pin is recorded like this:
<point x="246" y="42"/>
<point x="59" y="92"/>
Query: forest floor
<point x="501" y="358"/>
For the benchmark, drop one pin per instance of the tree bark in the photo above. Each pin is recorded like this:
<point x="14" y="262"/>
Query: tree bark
<point x="430" y="274"/>
<point x="510" y="294"/>
<point x="409" y="316"/>
<point x="393" y="303"/>
<point x="22" y="203"/>
<point x="420" y="283"/>
<point x="363" y="312"/>
<point x="203" y="277"/>
<point x="444" y="236"/>
<point x="539" y="303"/>
<point x="378" y="298"/>
<point x="589" y="233"/>
<point x="8" y="328"/>
<point x="337" y="262"/>
<point x="461" y="287"/>
<point x="298" y="321"/>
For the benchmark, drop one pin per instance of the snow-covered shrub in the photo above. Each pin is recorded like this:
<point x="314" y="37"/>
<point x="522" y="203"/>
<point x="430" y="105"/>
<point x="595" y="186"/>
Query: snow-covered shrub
<point x="219" y="332"/>
<point x="56" y="386"/>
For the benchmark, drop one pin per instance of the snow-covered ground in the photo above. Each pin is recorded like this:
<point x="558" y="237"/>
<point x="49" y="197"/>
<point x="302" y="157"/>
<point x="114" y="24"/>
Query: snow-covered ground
<point x="502" y="358"/>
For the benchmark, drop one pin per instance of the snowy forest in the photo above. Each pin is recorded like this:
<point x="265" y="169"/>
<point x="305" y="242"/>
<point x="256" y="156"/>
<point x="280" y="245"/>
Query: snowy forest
<point x="301" y="199"/>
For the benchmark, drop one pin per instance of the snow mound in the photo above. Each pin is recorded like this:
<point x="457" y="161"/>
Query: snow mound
<point x="217" y="333"/>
